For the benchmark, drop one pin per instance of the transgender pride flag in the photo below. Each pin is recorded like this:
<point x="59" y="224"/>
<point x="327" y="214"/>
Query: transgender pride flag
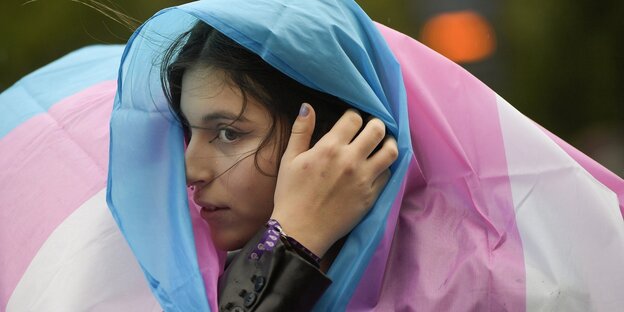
<point x="60" y="249"/>
<point x="486" y="211"/>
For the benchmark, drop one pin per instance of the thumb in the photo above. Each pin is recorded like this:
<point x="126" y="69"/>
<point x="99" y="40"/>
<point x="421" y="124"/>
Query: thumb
<point x="301" y="132"/>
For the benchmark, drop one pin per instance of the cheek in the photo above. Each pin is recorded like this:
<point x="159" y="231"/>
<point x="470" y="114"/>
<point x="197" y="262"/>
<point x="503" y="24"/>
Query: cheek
<point x="268" y="160"/>
<point x="246" y="182"/>
<point x="261" y="187"/>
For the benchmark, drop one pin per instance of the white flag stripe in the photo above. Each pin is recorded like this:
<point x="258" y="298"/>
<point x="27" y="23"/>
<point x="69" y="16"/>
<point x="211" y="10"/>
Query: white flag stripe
<point x="570" y="224"/>
<point x="85" y="265"/>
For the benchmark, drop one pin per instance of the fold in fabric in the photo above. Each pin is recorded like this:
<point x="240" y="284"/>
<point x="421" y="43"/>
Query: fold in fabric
<point x="485" y="210"/>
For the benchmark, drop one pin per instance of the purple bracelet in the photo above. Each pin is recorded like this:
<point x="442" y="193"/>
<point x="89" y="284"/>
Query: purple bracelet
<point x="269" y="240"/>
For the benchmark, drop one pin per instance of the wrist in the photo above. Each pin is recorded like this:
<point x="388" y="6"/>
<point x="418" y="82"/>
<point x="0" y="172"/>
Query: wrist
<point x="293" y="245"/>
<point x="311" y="240"/>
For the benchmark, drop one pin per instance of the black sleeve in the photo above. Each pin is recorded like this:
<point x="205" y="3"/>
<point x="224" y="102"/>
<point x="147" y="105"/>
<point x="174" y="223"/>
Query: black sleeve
<point x="280" y="280"/>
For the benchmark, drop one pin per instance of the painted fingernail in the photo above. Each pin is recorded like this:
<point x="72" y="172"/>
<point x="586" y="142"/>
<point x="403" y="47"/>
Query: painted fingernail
<point x="304" y="110"/>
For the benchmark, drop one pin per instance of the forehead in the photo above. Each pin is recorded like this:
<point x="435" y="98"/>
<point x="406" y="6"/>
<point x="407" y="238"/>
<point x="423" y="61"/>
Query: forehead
<point x="207" y="91"/>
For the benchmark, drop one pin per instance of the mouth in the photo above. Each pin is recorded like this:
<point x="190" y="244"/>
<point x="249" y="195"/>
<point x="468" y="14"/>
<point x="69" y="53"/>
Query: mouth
<point x="209" y="212"/>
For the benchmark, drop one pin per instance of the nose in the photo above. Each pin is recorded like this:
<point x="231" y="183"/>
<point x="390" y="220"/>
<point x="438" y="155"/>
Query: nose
<point x="198" y="165"/>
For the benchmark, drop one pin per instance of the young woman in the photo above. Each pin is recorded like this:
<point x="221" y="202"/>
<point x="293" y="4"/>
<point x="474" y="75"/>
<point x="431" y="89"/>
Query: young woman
<point x="238" y="112"/>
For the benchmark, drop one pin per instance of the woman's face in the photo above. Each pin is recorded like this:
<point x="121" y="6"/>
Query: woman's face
<point x="236" y="199"/>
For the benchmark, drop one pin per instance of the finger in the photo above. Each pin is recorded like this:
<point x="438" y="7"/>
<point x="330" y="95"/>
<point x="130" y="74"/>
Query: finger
<point x="381" y="181"/>
<point x="384" y="157"/>
<point x="301" y="132"/>
<point x="346" y="127"/>
<point x="373" y="133"/>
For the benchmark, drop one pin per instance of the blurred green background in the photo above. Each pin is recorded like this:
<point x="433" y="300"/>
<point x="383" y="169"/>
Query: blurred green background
<point x="559" y="62"/>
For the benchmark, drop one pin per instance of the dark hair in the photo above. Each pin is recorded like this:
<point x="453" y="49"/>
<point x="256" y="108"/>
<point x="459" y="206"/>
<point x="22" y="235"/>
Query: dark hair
<point x="281" y="95"/>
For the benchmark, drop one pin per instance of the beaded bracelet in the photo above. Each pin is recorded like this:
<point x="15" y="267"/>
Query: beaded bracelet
<point x="269" y="240"/>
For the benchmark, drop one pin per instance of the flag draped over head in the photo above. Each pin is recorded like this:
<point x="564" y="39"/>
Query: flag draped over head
<point x="484" y="211"/>
<point x="478" y="213"/>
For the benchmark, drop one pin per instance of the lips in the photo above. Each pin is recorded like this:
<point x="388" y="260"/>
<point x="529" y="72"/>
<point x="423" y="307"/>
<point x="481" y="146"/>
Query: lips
<point x="211" y="212"/>
<point x="208" y="211"/>
<point x="213" y="208"/>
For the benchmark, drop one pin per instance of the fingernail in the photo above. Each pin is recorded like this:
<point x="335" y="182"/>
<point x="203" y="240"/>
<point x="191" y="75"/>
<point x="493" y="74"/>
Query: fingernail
<point x="304" y="110"/>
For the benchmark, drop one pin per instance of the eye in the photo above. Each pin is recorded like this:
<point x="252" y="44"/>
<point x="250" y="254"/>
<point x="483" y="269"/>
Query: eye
<point x="228" y="135"/>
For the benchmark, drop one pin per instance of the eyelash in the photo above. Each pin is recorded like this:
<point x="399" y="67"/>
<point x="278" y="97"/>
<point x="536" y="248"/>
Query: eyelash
<point x="222" y="135"/>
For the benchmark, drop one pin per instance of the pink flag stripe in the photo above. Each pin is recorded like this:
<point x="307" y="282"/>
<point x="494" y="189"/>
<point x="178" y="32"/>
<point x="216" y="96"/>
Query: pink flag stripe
<point x="459" y="187"/>
<point x="366" y="297"/>
<point x="209" y="259"/>
<point x="62" y="156"/>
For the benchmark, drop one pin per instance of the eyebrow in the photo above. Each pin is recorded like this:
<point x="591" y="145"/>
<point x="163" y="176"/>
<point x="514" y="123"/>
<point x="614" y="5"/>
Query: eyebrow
<point x="218" y="115"/>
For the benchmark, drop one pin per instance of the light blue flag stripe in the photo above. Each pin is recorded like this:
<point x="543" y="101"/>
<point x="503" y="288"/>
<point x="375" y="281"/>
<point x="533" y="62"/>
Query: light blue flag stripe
<point x="37" y="92"/>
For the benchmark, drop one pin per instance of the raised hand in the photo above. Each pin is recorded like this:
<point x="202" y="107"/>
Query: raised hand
<point x="324" y="191"/>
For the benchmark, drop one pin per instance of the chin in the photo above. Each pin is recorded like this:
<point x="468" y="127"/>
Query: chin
<point x="233" y="237"/>
<point x="227" y="242"/>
